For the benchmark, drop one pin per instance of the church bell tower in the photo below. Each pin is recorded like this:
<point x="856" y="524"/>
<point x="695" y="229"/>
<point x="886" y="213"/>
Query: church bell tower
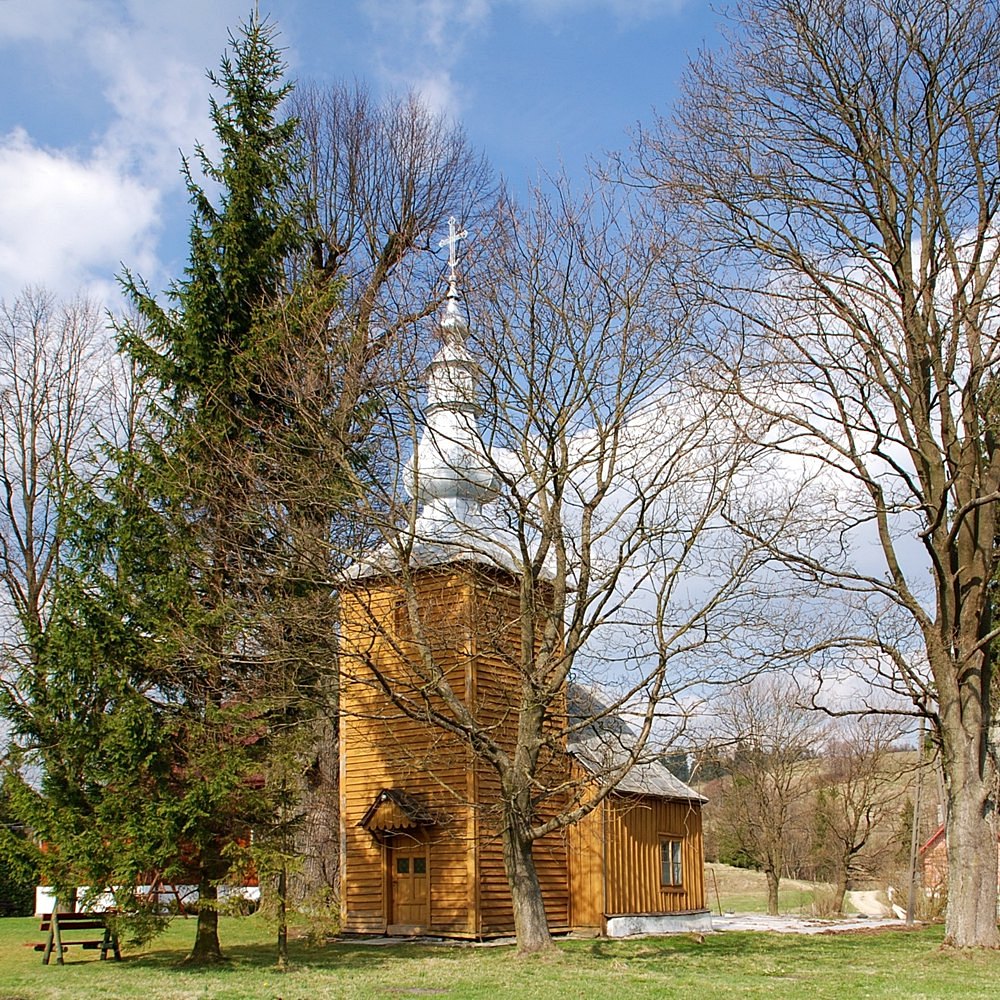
<point x="430" y="640"/>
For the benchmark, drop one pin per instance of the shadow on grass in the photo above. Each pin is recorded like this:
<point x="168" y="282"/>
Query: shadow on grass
<point x="243" y="957"/>
<point x="682" y="950"/>
<point x="742" y="944"/>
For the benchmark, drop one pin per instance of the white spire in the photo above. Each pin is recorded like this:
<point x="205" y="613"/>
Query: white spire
<point x="450" y="474"/>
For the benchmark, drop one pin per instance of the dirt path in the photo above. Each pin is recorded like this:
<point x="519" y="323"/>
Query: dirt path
<point x="869" y="903"/>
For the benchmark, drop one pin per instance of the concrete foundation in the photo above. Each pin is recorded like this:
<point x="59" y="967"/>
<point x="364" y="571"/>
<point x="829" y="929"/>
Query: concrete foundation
<point x="633" y="924"/>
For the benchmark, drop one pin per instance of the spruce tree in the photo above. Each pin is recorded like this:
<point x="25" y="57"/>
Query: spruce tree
<point x="196" y="355"/>
<point x="155" y="699"/>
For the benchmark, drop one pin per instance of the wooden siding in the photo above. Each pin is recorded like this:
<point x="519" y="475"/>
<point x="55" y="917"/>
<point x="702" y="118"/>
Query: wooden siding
<point x="496" y="697"/>
<point x="615" y="860"/>
<point x="586" y="871"/>
<point x="472" y="621"/>
<point x="551" y="863"/>
<point x="381" y="747"/>
<point x="608" y="865"/>
<point x="634" y="828"/>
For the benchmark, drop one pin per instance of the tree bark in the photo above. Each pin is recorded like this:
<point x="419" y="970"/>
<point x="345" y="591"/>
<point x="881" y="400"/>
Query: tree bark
<point x="206" y="950"/>
<point x="531" y="925"/>
<point x="839" y="890"/>
<point x="283" y="919"/>
<point x="772" y="891"/>
<point x="971" y="919"/>
<point x="314" y="886"/>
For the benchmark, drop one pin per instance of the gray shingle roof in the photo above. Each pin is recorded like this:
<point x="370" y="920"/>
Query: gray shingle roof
<point x="608" y="751"/>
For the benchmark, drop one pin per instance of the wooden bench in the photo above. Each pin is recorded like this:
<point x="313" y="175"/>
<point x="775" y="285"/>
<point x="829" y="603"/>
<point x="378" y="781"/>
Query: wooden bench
<point x="58" y="924"/>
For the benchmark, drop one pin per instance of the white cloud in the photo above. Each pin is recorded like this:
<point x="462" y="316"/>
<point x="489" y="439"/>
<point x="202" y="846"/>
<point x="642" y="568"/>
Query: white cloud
<point x="43" y="20"/>
<point x="439" y="93"/>
<point x="153" y="63"/>
<point x="66" y="220"/>
<point x="76" y="214"/>
<point x="420" y="41"/>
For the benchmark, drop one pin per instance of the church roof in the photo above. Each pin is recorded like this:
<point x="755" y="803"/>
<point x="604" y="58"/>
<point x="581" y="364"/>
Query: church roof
<point x="425" y="553"/>
<point x="604" y="743"/>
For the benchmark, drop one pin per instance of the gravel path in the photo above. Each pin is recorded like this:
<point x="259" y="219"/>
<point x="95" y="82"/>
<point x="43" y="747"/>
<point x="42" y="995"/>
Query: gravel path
<point x="790" y="924"/>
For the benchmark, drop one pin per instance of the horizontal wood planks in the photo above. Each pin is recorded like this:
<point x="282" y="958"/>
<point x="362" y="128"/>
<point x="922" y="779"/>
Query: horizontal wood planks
<point x="468" y="627"/>
<point x="468" y="632"/>
<point x="499" y="687"/>
<point x="384" y="747"/>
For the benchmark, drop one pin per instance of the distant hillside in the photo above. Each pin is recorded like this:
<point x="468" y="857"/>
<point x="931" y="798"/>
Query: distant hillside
<point x="741" y="890"/>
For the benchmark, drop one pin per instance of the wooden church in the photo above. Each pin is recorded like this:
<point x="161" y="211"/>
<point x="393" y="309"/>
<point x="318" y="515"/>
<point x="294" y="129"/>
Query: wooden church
<point x="421" y="825"/>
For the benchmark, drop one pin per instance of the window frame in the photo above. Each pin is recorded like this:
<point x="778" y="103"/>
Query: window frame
<point x="671" y="858"/>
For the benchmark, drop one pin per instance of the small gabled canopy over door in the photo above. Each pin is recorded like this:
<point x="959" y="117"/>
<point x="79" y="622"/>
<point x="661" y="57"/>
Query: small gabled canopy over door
<point x="394" y="809"/>
<point x="402" y="822"/>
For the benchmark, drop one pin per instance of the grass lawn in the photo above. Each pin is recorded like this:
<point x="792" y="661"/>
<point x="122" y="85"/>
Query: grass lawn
<point x="887" y="964"/>
<point x="797" y="901"/>
<point x="741" y="890"/>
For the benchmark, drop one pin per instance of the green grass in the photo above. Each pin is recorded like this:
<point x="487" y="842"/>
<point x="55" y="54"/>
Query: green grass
<point x="887" y="964"/>
<point x="797" y="901"/>
<point x="743" y="890"/>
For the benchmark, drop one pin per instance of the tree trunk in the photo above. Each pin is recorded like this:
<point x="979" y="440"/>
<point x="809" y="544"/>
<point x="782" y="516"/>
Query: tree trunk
<point x="314" y="886"/>
<point x="772" y="891"/>
<point x="839" y="890"/>
<point x="206" y="950"/>
<point x="970" y="784"/>
<point x="283" y="919"/>
<point x="971" y="920"/>
<point x="531" y="926"/>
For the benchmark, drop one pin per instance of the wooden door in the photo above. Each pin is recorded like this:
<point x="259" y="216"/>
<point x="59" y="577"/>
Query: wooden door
<point x="409" y="878"/>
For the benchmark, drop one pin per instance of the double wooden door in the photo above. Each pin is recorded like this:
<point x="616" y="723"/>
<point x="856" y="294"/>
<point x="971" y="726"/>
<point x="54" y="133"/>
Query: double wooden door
<point x="409" y="881"/>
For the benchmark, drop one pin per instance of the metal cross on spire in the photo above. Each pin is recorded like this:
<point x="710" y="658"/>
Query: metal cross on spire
<point x="451" y="241"/>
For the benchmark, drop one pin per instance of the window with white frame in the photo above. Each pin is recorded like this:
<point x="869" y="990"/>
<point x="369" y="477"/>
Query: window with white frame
<point x="671" y="866"/>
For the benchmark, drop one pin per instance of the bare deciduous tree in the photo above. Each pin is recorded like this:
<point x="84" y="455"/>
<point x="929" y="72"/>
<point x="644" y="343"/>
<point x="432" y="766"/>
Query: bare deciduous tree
<point x="859" y="794"/>
<point x="838" y="167"/>
<point x="382" y="179"/>
<point x="766" y="737"/>
<point x="379" y="179"/>
<point x="50" y="404"/>
<point x="601" y="483"/>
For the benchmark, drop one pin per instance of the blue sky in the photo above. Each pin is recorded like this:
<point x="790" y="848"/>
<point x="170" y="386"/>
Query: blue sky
<point x="100" y="97"/>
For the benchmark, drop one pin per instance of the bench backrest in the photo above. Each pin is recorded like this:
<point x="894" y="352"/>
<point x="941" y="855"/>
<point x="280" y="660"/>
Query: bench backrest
<point x="74" y="921"/>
